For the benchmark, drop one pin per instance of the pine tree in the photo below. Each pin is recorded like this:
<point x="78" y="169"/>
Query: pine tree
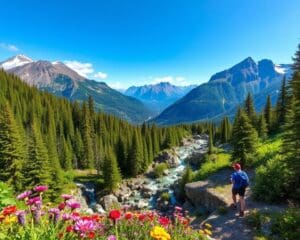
<point x="244" y="139"/>
<point x="88" y="151"/>
<point x="111" y="173"/>
<point x="250" y="111"/>
<point x="135" y="156"/>
<point x="268" y="114"/>
<point x="66" y="154"/>
<point x="37" y="169"/>
<point x="210" y="143"/>
<point x="281" y="105"/>
<point x="12" y="152"/>
<point x="225" y="130"/>
<point x="262" y="127"/>
<point x="291" y="135"/>
<point x="122" y="156"/>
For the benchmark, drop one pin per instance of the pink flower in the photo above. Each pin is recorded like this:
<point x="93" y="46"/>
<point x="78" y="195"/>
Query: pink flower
<point x="23" y="195"/>
<point x="34" y="201"/>
<point x="66" y="216"/>
<point x="84" y="226"/>
<point x="73" y="204"/>
<point x="178" y="209"/>
<point x="40" y="188"/>
<point x="112" y="237"/>
<point x="66" y="196"/>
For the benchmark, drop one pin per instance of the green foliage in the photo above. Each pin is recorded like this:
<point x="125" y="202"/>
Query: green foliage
<point x="262" y="127"/>
<point x="47" y="134"/>
<point x="244" y="140"/>
<point x="268" y="114"/>
<point x="159" y="169"/>
<point x="286" y="225"/>
<point x="6" y="195"/>
<point x="210" y="142"/>
<point x="250" y="111"/>
<point x="213" y="163"/>
<point x="187" y="177"/>
<point x="111" y="172"/>
<point x="272" y="180"/>
<point x="222" y="210"/>
<point x="165" y="196"/>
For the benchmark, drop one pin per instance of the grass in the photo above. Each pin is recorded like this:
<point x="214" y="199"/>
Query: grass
<point x="267" y="150"/>
<point x="213" y="163"/>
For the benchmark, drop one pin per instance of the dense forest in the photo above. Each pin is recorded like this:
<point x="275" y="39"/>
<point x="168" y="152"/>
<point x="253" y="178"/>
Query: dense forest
<point x="43" y="137"/>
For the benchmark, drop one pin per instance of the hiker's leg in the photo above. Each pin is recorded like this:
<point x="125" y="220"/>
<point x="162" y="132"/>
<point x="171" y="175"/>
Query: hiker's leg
<point x="234" y="198"/>
<point x="242" y="202"/>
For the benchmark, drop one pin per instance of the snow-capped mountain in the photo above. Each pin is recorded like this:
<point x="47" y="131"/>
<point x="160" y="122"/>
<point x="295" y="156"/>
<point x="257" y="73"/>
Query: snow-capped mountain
<point x="226" y="90"/>
<point x="61" y="80"/>
<point x="15" y="61"/>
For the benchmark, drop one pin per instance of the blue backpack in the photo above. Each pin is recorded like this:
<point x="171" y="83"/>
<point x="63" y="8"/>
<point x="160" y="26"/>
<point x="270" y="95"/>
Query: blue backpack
<point x="244" y="180"/>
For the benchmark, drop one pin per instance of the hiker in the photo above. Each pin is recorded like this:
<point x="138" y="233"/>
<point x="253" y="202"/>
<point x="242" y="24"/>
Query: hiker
<point x="240" y="182"/>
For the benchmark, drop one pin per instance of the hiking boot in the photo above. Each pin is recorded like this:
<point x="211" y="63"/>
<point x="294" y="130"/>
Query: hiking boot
<point x="241" y="213"/>
<point x="233" y="206"/>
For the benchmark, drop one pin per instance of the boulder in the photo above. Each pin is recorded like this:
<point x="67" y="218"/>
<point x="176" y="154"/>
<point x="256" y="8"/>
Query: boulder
<point x="109" y="202"/>
<point x="169" y="157"/>
<point x="98" y="209"/>
<point x="200" y="194"/>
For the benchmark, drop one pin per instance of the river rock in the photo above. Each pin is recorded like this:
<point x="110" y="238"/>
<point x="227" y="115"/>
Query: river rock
<point x="142" y="204"/>
<point x="169" y="157"/>
<point x="109" y="202"/>
<point x="98" y="209"/>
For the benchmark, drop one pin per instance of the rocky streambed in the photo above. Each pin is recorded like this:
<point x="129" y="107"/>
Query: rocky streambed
<point x="144" y="191"/>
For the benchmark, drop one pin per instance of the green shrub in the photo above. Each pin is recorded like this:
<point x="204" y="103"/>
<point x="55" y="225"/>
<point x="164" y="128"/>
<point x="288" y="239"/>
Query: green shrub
<point x="254" y="219"/>
<point x="159" y="169"/>
<point x="272" y="180"/>
<point x="213" y="163"/>
<point x="6" y="195"/>
<point x="165" y="196"/>
<point x="286" y="225"/>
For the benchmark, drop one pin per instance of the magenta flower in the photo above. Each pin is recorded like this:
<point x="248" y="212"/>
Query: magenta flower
<point x="84" y="226"/>
<point x="73" y="204"/>
<point x="111" y="237"/>
<point x="66" y="216"/>
<point x="40" y="188"/>
<point x="66" y="196"/>
<point x="179" y="209"/>
<point x="34" y="201"/>
<point x="23" y="195"/>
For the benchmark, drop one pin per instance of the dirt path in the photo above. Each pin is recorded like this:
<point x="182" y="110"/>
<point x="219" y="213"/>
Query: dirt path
<point x="230" y="225"/>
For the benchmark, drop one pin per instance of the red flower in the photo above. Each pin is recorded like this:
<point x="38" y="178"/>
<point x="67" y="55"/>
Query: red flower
<point x="164" y="221"/>
<point x="91" y="235"/>
<point x="61" y="206"/>
<point x="128" y="215"/>
<point x="9" y="210"/>
<point x="96" y="218"/>
<point x="142" y="217"/>
<point x="69" y="228"/>
<point x="114" y="215"/>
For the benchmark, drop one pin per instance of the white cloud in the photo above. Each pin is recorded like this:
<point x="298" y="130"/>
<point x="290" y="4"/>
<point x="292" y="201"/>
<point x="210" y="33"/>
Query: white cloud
<point x="116" y="85"/>
<point x="178" y="81"/>
<point x="100" y="75"/>
<point x="9" y="47"/>
<point x="83" y="69"/>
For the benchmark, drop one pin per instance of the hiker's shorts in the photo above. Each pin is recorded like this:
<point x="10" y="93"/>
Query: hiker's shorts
<point x="239" y="191"/>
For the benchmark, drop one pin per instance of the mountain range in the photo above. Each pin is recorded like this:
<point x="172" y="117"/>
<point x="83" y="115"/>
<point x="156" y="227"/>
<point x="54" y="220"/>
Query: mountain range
<point x="158" y="96"/>
<point x="59" y="79"/>
<point x="226" y="90"/>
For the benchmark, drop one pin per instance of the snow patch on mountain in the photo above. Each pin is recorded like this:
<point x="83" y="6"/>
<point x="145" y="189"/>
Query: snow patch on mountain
<point x="16" y="61"/>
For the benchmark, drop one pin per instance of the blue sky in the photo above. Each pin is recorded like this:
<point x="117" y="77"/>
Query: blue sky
<point x="135" y="42"/>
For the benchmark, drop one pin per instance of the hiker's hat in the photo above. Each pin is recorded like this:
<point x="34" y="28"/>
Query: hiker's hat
<point x="236" y="166"/>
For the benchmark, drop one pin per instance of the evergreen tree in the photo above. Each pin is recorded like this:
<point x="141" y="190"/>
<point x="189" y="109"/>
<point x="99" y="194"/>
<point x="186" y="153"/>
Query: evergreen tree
<point x="135" y="156"/>
<point x="250" y="111"/>
<point x="88" y="152"/>
<point x="111" y="173"/>
<point x="268" y="114"/>
<point x="281" y="105"/>
<point x="210" y="143"/>
<point x="244" y="139"/>
<point x="291" y="135"/>
<point x="12" y="152"/>
<point x="37" y="169"/>
<point x="262" y="127"/>
<point x="122" y="156"/>
<point x="225" y="130"/>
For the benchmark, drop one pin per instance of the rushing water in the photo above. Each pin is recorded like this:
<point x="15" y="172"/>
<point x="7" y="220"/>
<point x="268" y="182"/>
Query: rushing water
<point x="165" y="183"/>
